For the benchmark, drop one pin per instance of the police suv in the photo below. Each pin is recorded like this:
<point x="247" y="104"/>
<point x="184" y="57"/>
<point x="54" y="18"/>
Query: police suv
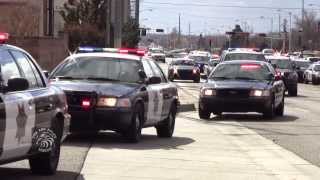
<point x="33" y="115"/>
<point x="111" y="89"/>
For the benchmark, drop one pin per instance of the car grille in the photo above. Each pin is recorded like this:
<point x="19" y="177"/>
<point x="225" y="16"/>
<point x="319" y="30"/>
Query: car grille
<point x="75" y="98"/>
<point x="185" y="72"/>
<point x="233" y="93"/>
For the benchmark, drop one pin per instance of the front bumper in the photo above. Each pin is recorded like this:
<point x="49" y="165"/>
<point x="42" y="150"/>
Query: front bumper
<point x="116" y="119"/>
<point x="222" y="104"/>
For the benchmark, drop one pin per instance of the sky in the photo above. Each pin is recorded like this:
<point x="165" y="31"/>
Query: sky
<point x="205" y="17"/>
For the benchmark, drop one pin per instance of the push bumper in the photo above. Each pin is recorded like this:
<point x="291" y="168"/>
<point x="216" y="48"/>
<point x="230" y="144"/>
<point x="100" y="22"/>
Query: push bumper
<point x="219" y="104"/>
<point x="116" y="119"/>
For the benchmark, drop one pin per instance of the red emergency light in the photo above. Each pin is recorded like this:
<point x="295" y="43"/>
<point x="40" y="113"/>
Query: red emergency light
<point x="249" y="67"/>
<point x="138" y="52"/>
<point x="4" y="37"/>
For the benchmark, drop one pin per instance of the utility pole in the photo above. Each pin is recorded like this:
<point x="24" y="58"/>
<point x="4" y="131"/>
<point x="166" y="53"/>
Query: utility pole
<point x="137" y="11"/>
<point x="279" y="23"/>
<point x="271" y="40"/>
<point x="189" y="35"/>
<point x="179" y="35"/>
<point x="302" y="22"/>
<point x="108" y="22"/>
<point x="290" y="35"/>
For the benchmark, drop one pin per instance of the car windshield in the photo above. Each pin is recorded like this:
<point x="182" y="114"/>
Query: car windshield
<point x="241" y="72"/>
<point x="302" y="64"/>
<point x="200" y="58"/>
<point x="317" y="68"/>
<point x="314" y="59"/>
<point x="244" y="56"/>
<point x="282" y="64"/>
<point x="100" y="68"/>
<point x="183" y="62"/>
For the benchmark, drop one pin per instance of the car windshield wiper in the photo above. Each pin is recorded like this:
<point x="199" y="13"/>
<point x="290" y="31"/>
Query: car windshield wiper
<point x="246" y="78"/>
<point x="102" y="79"/>
<point x="221" y="78"/>
<point x="66" y="77"/>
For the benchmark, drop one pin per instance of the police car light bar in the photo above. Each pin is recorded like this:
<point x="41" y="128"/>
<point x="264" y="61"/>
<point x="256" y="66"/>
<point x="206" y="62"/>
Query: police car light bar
<point x="4" y="37"/>
<point x="138" y="52"/>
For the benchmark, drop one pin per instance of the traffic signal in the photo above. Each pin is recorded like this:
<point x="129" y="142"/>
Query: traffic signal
<point x="143" y="32"/>
<point x="159" y="30"/>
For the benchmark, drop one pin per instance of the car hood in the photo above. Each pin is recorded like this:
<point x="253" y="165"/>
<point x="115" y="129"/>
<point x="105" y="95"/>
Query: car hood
<point x="236" y="84"/>
<point x="101" y="88"/>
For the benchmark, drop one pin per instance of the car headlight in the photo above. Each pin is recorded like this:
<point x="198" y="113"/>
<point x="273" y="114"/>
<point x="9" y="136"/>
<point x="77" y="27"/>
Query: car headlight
<point x="259" y="93"/>
<point x="113" y="102"/>
<point x="208" y="92"/>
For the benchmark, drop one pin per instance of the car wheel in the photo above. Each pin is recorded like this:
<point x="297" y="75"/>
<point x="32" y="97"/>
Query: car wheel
<point x="164" y="61"/>
<point x="293" y="92"/>
<point x="133" y="135"/>
<point x="314" y="81"/>
<point x="196" y="80"/>
<point x="217" y="113"/>
<point x="46" y="163"/>
<point x="269" y="112"/>
<point x="305" y="80"/>
<point x="280" y="109"/>
<point x="204" y="114"/>
<point x="166" y="129"/>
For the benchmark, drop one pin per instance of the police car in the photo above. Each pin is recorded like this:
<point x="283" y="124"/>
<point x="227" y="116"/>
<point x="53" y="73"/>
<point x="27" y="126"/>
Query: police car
<point x="111" y="89"/>
<point x="33" y="115"/>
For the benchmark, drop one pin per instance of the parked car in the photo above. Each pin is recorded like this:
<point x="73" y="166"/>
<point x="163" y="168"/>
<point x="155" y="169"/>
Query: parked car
<point x="312" y="74"/>
<point x="286" y="68"/>
<point x="110" y="90"/>
<point x="301" y="65"/>
<point x="242" y="86"/>
<point x="184" y="69"/>
<point x="313" y="59"/>
<point x="34" y="118"/>
<point x="268" y="52"/>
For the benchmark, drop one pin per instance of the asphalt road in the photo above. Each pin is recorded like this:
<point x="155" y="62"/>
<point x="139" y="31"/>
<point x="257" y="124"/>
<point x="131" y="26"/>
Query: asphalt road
<point x="298" y="131"/>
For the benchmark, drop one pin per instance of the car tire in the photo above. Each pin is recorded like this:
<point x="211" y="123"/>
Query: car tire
<point x="196" y="80"/>
<point x="164" y="61"/>
<point x="269" y="112"/>
<point x="280" y="109"/>
<point x="166" y="128"/>
<point x="133" y="134"/>
<point x="46" y="163"/>
<point x="315" y="81"/>
<point x="204" y="114"/>
<point x="293" y="92"/>
<point x="217" y="113"/>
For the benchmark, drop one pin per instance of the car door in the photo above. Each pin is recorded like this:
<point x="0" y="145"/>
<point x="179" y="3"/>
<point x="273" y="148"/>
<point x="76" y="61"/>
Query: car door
<point x="19" y="116"/>
<point x="43" y="96"/>
<point x="154" y="103"/>
<point x="165" y="92"/>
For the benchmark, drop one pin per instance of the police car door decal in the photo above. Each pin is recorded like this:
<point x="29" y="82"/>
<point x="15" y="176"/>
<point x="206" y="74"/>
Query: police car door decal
<point x="20" y="121"/>
<point x="155" y="103"/>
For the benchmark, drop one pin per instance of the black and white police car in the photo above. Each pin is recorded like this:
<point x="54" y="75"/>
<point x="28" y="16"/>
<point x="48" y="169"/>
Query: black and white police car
<point x="111" y="89"/>
<point x="33" y="115"/>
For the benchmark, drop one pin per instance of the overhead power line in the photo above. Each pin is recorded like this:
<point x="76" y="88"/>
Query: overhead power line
<point x="221" y="6"/>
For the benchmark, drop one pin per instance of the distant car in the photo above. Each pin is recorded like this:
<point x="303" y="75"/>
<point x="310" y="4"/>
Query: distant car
<point x="210" y="66"/>
<point x="201" y="58"/>
<point x="301" y="67"/>
<point x="313" y="59"/>
<point x="268" y="52"/>
<point x="111" y="90"/>
<point x="34" y="117"/>
<point x="240" y="54"/>
<point x="184" y="69"/>
<point x="312" y="74"/>
<point x="157" y="54"/>
<point x="242" y="86"/>
<point x="286" y="68"/>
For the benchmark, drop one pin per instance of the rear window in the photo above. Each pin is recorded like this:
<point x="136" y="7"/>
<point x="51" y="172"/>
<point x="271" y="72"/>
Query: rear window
<point x="282" y="64"/>
<point x="241" y="72"/>
<point x="302" y="64"/>
<point x="200" y="58"/>
<point x="244" y="56"/>
<point x="183" y="62"/>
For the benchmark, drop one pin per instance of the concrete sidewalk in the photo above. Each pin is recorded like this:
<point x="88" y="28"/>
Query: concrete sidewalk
<point x="199" y="150"/>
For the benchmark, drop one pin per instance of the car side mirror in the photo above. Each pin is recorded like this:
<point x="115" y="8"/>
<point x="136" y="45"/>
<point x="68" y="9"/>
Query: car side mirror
<point x="46" y="73"/>
<point x="142" y="74"/>
<point x="154" y="80"/>
<point x="17" y="84"/>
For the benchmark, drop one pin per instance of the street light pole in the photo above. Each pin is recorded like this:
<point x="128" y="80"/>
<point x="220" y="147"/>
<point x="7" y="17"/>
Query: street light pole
<point x="290" y="35"/>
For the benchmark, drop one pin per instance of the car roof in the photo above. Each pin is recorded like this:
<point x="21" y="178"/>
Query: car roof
<point x="241" y="51"/>
<point x="244" y="62"/>
<point x="278" y="57"/>
<point x="110" y="55"/>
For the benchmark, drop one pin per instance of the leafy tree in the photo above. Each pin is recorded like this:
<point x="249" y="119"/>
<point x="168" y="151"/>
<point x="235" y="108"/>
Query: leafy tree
<point x="130" y="34"/>
<point x="85" y="22"/>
